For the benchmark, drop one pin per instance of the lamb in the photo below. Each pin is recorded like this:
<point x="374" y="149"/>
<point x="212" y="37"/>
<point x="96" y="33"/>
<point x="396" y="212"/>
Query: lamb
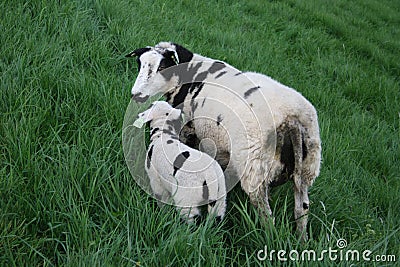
<point x="177" y="172"/>
<point x="264" y="133"/>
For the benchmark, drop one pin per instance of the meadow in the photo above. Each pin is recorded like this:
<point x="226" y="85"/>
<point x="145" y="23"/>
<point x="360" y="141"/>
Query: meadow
<point x="67" y="197"/>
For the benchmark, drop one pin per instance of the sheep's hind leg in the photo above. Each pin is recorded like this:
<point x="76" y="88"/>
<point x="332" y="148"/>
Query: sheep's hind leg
<point x="301" y="210"/>
<point x="301" y="202"/>
<point x="259" y="198"/>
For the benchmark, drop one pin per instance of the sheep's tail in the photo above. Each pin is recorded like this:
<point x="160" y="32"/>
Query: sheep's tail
<point x="295" y="132"/>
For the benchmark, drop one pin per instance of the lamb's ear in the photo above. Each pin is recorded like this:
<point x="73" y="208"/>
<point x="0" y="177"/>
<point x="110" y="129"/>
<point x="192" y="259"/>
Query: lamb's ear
<point x="183" y="54"/>
<point x="138" y="52"/>
<point x="175" y="113"/>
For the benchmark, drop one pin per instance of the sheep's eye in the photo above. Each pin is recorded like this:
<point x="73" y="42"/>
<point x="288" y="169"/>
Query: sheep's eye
<point x="166" y="62"/>
<point x="162" y="66"/>
<point x="166" y="114"/>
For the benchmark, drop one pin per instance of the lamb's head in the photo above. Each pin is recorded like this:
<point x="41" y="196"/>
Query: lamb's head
<point x="160" y="110"/>
<point x="152" y="61"/>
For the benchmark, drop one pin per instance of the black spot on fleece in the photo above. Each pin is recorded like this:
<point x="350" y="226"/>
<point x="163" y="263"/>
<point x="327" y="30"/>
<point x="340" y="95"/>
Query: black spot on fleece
<point x="179" y="160"/>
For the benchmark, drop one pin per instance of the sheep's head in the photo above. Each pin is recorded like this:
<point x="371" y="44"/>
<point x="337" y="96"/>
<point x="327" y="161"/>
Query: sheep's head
<point x="152" y="61"/>
<point x="160" y="110"/>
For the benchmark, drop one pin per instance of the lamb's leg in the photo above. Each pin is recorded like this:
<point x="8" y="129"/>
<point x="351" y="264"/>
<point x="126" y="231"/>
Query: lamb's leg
<point x="184" y="199"/>
<point x="159" y="191"/>
<point x="190" y="214"/>
<point x="217" y="208"/>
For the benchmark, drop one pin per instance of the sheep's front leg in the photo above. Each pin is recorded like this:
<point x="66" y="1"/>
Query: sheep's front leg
<point x="259" y="198"/>
<point x="301" y="207"/>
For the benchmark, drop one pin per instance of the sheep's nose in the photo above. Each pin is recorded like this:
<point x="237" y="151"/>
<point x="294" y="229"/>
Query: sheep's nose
<point x="136" y="97"/>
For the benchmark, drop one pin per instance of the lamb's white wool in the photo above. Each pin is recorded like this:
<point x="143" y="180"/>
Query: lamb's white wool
<point x="187" y="177"/>
<point x="265" y="133"/>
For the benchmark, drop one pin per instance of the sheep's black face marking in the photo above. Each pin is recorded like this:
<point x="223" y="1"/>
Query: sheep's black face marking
<point x="219" y="119"/>
<point x="149" y="154"/>
<point x="168" y="61"/>
<point x="205" y="191"/>
<point x="179" y="160"/>
<point x="250" y="91"/>
<point x="169" y="142"/>
<point x="305" y="206"/>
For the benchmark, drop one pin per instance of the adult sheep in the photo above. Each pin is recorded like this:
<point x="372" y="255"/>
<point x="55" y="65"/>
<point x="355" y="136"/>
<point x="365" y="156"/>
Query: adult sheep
<point x="264" y="133"/>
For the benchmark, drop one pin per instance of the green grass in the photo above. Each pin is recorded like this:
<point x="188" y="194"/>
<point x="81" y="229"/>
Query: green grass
<point x="66" y="194"/>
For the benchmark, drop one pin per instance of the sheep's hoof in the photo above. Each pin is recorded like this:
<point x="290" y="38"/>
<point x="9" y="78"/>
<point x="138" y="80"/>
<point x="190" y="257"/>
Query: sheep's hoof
<point x="271" y="219"/>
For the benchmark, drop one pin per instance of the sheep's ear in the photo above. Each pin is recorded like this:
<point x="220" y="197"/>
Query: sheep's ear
<point x="183" y="54"/>
<point x="138" y="52"/>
